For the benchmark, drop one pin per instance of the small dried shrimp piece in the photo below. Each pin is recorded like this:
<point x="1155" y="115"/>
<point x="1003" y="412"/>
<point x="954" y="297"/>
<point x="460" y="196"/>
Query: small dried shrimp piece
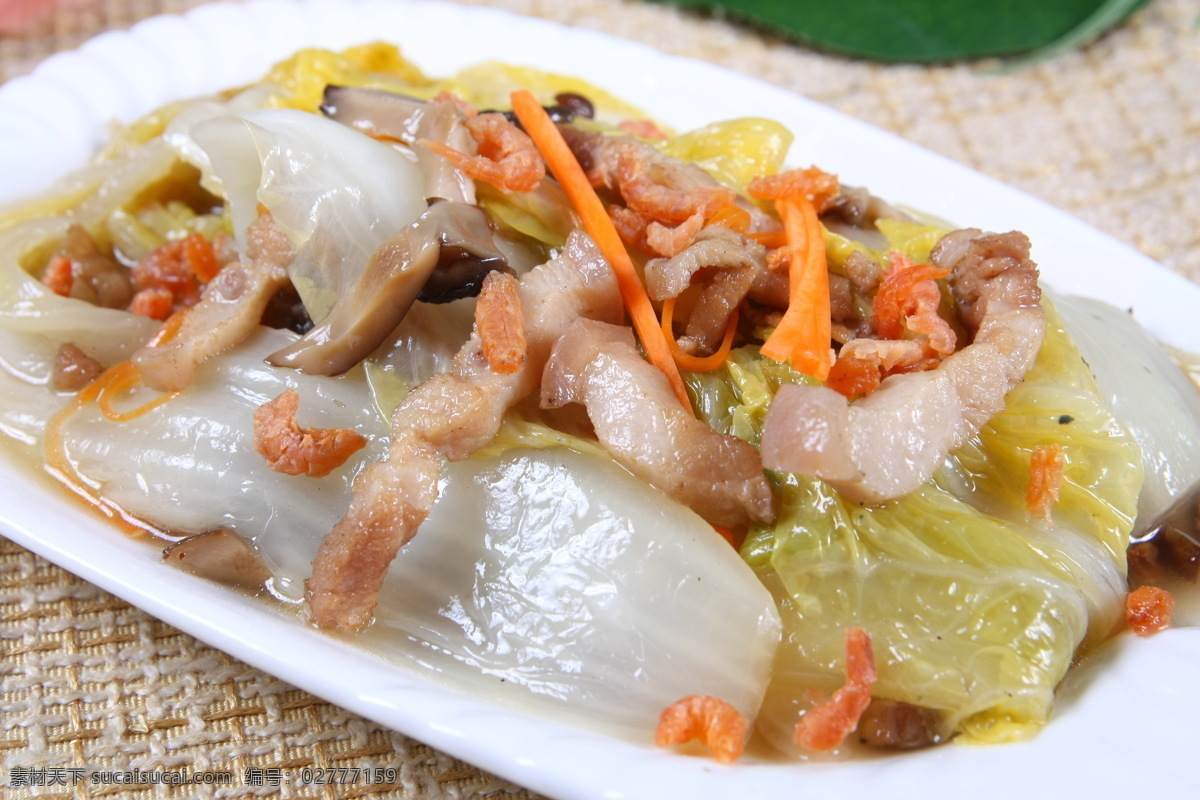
<point x="81" y="271"/>
<point x="667" y="241"/>
<point x="500" y="324"/>
<point x="828" y="724"/>
<point x="180" y="267"/>
<point x="1045" y="478"/>
<point x="862" y="363"/>
<point x="507" y="158"/>
<point x="293" y="450"/>
<point x="852" y="376"/>
<point x="153" y="303"/>
<point x="716" y="723"/>
<point x="816" y="184"/>
<point x="653" y="237"/>
<point x="781" y="257"/>
<point x="1148" y="609"/>
<point x="908" y="298"/>
<point x="630" y="227"/>
<point x="58" y="276"/>
<point x="654" y="199"/>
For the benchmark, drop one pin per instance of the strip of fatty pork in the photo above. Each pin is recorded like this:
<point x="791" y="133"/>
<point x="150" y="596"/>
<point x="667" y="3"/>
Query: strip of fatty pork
<point x="736" y="263"/>
<point x="656" y="186"/>
<point x="449" y="416"/>
<point x="640" y="422"/>
<point x="229" y="310"/>
<point x="888" y="443"/>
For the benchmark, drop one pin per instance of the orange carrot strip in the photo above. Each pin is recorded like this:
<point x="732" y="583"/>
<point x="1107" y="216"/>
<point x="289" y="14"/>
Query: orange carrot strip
<point x="772" y="240"/>
<point x="687" y="360"/>
<point x="1148" y="609"/>
<point x="804" y="333"/>
<point x="59" y="466"/>
<point x="1045" y="478"/>
<point x="733" y="217"/>
<point x="169" y="329"/>
<point x="199" y="255"/>
<point x="125" y="377"/>
<point x="116" y="379"/>
<point x="596" y="222"/>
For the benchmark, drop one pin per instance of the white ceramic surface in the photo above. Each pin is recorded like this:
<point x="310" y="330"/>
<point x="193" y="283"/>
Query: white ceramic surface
<point x="1125" y="723"/>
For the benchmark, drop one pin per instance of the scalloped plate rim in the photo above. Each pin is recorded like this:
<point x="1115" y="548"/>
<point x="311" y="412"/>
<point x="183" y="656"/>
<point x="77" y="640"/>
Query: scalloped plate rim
<point x="550" y="758"/>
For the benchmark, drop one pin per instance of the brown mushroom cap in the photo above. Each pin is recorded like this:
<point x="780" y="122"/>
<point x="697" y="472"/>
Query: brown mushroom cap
<point x="396" y="275"/>
<point x="219" y="555"/>
<point x="391" y="116"/>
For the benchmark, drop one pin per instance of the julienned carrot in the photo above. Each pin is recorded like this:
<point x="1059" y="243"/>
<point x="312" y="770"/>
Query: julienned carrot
<point x="804" y="333"/>
<point x="733" y="217"/>
<point x="59" y="466"/>
<point x="169" y="329"/>
<point x="770" y="239"/>
<point x="124" y="376"/>
<point x="596" y="222"/>
<point x="687" y="360"/>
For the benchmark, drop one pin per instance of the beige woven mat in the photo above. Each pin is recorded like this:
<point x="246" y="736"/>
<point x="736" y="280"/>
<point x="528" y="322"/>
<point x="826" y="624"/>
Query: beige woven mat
<point x="1110" y="133"/>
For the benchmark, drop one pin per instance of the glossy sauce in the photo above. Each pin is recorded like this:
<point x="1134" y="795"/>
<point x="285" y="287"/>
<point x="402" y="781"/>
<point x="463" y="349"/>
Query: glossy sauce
<point x="1168" y="556"/>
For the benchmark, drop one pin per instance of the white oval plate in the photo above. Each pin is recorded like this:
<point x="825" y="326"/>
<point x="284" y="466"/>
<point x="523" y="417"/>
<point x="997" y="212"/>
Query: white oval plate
<point x="1125" y="723"/>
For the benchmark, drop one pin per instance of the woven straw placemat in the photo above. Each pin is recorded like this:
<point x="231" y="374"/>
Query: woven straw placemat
<point x="86" y="681"/>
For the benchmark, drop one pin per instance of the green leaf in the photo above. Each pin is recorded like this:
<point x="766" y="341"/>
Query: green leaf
<point x="932" y="30"/>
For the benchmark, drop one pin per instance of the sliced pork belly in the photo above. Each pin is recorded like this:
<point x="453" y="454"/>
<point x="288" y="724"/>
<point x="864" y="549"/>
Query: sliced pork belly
<point x="449" y="416"/>
<point x="640" y="422"/>
<point x="735" y="262"/>
<point x="888" y="443"/>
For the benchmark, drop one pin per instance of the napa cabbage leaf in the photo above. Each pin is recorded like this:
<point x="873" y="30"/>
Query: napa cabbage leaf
<point x="303" y="77"/>
<point x="338" y="195"/>
<point x="976" y="609"/>
<point x="734" y="151"/>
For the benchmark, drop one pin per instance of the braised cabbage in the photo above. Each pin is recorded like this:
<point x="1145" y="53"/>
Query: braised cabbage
<point x="975" y="608"/>
<point x="338" y="195"/>
<point x="546" y="577"/>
